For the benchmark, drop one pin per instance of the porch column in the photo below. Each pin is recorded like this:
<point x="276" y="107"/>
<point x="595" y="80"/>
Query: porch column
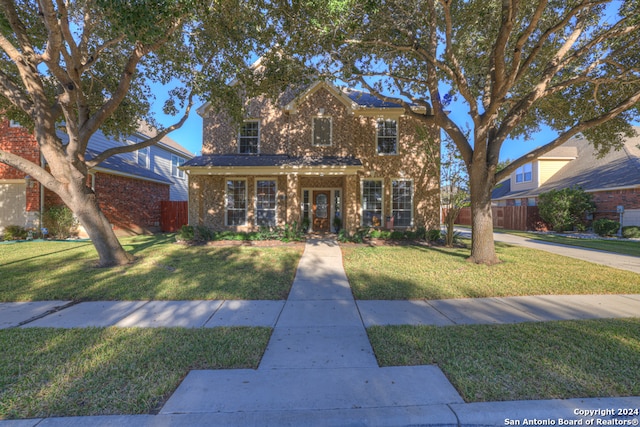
<point x="293" y="199"/>
<point x="351" y="204"/>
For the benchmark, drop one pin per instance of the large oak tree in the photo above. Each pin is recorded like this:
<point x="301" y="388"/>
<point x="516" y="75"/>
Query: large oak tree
<point x="509" y="66"/>
<point x="80" y="66"/>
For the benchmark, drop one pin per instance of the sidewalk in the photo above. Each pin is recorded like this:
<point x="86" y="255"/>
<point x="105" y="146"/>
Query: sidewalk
<point x="319" y="368"/>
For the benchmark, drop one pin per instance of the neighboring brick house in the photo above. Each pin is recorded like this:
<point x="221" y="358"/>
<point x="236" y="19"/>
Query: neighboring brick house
<point x="613" y="180"/>
<point x="129" y="186"/>
<point x="316" y="155"/>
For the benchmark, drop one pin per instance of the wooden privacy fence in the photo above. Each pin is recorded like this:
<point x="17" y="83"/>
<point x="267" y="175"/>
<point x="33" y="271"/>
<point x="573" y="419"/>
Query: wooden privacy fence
<point x="173" y="215"/>
<point x="509" y="217"/>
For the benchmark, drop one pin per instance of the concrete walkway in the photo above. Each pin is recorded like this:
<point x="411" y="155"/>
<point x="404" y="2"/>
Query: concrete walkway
<point x="319" y="368"/>
<point x="623" y="262"/>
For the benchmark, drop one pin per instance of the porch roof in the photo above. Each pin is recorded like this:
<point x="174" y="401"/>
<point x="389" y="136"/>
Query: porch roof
<point x="254" y="164"/>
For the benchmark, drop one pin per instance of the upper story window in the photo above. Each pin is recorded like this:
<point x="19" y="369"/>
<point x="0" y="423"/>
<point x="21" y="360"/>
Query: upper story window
<point x="143" y="157"/>
<point x="387" y="136"/>
<point x="249" y="138"/>
<point x="322" y="131"/>
<point x="176" y="162"/>
<point x="524" y="173"/>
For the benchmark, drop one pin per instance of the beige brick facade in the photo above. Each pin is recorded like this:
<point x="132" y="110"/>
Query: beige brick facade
<point x="287" y="129"/>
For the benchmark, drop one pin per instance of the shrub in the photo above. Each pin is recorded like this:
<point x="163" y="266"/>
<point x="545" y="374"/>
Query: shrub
<point x="380" y="234"/>
<point x="421" y="233"/>
<point x="199" y="233"/>
<point x="434" y="235"/>
<point x="631" y="232"/>
<point x="60" y="222"/>
<point x="605" y="227"/>
<point x="564" y="209"/>
<point x="14" y="232"/>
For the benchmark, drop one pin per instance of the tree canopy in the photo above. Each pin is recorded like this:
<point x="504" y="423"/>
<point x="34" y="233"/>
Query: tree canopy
<point x="79" y="66"/>
<point x="511" y="66"/>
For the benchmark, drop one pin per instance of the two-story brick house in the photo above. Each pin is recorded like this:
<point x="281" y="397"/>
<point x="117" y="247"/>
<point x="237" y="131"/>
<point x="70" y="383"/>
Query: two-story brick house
<point x="130" y="187"/>
<point x="315" y="155"/>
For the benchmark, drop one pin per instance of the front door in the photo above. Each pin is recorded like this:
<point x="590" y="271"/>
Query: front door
<point x="321" y="209"/>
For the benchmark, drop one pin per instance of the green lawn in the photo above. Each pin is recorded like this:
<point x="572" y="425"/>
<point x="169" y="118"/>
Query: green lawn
<point x="415" y="272"/>
<point x="164" y="270"/>
<point x="567" y="359"/>
<point x="622" y="246"/>
<point x="98" y="371"/>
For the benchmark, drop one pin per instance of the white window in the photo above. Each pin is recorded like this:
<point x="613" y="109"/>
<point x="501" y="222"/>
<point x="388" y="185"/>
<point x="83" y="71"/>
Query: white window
<point x="143" y="157"/>
<point x="236" y="202"/>
<point x="14" y="124"/>
<point x="176" y="162"/>
<point x="402" y="203"/>
<point x="531" y="201"/>
<point x="523" y="173"/>
<point x="387" y="136"/>
<point x="266" y="202"/>
<point x="372" y="203"/>
<point x="249" y="138"/>
<point x="322" y="129"/>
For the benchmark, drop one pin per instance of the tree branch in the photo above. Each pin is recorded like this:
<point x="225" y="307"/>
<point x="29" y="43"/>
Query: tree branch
<point x="566" y="135"/>
<point x="37" y="172"/>
<point x="151" y="141"/>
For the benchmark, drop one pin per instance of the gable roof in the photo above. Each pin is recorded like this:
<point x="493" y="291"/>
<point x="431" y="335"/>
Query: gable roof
<point x="618" y="169"/>
<point x="315" y="87"/>
<point x="615" y="170"/>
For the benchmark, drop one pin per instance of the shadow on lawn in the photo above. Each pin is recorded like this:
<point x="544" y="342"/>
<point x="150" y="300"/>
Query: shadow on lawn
<point x="98" y="371"/>
<point x="163" y="271"/>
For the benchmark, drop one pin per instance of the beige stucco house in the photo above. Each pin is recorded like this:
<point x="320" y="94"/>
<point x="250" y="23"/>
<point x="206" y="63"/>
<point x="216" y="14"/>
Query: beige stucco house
<point x="318" y="154"/>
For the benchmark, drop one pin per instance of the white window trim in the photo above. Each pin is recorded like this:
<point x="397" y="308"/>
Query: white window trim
<point x="521" y="171"/>
<point x="313" y="131"/>
<point x="382" y="219"/>
<point x="379" y="119"/>
<point x="259" y="135"/>
<point x="148" y="160"/>
<point x="14" y="124"/>
<point x="413" y="193"/>
<point x="226" y="202"/>
<point x="180" y="174"/>
<point x="255" y="201"/>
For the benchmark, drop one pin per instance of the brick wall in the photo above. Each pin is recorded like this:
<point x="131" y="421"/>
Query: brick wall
<point x="352" y="135"/>
<point x="20" y="141"/>
<point x="131" y="205"/>
<point x="608" y="201"/>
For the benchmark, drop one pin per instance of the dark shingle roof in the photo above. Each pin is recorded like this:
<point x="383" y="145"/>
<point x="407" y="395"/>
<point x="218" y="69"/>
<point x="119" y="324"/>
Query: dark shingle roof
<point x="116" y="164"/>
<point x="239" y="160"/>
<point x="365" y="99"/>
<point x="617" y="169"/>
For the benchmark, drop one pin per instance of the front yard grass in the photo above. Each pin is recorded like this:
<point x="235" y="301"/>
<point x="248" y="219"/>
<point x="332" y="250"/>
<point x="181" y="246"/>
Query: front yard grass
<point x="164" y="270"/>
<point x="619" y="246"/>
<point x="564" y="359"/>
<point x="420" y="272"/>
<point x="102" y="371"/>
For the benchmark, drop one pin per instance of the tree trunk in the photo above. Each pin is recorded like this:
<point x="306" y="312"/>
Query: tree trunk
<point x="83" y="203"/>
<point x="449" y="221"/>
<point x="482" y="245"/>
